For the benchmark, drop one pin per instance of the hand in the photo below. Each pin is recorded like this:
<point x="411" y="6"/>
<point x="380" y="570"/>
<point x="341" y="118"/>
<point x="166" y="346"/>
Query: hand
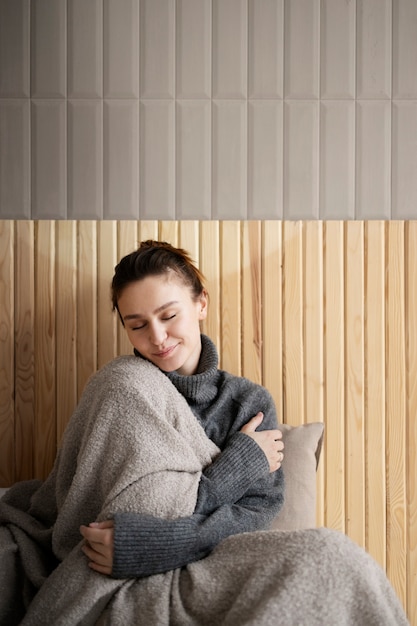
<point x="99" y="545"/>
<point x="269" y="440"/>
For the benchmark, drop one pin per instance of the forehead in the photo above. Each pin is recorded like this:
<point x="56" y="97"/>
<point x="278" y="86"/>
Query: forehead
<point x="155" y="289"/>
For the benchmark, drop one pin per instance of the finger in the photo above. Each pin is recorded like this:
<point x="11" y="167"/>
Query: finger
<point x="253" y="423"/>
<point x="106" y="524"/>
<point x="101" y="569"/>
<point x="94" y="535"/>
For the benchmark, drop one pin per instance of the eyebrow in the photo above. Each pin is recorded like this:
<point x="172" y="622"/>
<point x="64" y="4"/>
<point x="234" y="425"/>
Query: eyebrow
<point x="139" y="316"/>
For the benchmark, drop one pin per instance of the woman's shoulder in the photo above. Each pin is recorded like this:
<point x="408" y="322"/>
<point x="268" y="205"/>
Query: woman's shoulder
<point x="241" y="387"/>
<point x="124" y="370"/>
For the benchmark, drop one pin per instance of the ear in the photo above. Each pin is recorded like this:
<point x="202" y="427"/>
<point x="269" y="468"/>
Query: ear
<point x="203" y="305"/>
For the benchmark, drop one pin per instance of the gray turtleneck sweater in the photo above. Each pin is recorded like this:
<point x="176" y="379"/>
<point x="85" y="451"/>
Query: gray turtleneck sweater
<point x="237" y="493"/>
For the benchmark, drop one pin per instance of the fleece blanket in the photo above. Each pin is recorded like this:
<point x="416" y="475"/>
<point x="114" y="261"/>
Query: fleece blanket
<point x="134" y="444"/>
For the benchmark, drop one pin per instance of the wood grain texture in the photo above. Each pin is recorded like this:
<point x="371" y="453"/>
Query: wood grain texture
<point x="45" y="349"/>
<point x="396" y="409"/>
<point x="25" y="351"/>
<point x="106" y="321"/>
<point x="354" y="382"/>
<point x="292" y="322"/>
<point x="411" y="426"/>
<point x="272" y="311"/>
<point x="66" y="323"/>
<point x="333" y="291"/>
<point x="321" y="313"/>
<point x="375" y="488"/>
<point x="251" y="302"/>
<point x="7" y="353"/>
<point x="86" y="303"/>
<point x="231" y="294"/>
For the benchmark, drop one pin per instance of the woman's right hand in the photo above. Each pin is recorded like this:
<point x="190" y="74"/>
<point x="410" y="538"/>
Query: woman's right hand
<point x="269" y="440"/>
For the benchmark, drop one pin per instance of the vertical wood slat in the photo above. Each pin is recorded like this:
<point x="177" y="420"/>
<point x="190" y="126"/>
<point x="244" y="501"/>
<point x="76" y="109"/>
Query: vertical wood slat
<point x="25" y="351"/>
<point x="354" y="382"/>
<point x="7" y="353"/>
<point x="127" y="242"/>
<point x="86" y="302"/>
<point x="334" y="375"/>
<point x="292" y="339"/>
<point x="375" y="390"/>
<point x="66" y="323"/>
<point x="272" y="311"/>
<point x="396" y="410"/>
<point x="188" y="238"/>
<point x="411" y="426"/>
<point x="106" y="321"/>
<point x="210" y="266"/>
<point x="230" y="290"/>
<point x="45" y="349"/>
<point x="313" y="338"/>
<point x="251" y="302"/>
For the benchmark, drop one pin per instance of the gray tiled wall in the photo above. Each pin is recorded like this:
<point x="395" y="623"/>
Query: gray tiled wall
<point x="208" y="109"/>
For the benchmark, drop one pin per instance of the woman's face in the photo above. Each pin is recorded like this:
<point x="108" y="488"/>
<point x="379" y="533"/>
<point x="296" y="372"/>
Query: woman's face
<point x="162" y="321"/>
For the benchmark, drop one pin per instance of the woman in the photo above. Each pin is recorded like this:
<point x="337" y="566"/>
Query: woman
<point x="161" y="299"/>
<point x="171" y="468"/>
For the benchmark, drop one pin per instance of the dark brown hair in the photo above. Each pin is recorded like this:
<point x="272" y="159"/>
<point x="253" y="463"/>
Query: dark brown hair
<point x="154" y="258"/>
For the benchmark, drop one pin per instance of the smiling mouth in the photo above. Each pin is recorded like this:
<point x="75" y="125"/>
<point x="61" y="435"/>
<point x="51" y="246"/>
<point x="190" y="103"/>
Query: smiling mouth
<point x="165" y="353"/>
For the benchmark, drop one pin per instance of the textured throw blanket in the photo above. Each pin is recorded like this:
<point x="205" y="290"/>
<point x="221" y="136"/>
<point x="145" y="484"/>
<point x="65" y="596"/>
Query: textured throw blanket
<point x="133" y="444"/>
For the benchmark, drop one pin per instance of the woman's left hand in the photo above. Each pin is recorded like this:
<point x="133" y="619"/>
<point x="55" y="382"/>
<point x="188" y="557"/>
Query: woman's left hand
<point x="99" y="545"/>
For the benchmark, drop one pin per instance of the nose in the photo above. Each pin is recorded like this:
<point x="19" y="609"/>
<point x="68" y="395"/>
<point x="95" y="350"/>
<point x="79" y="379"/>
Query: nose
<point x="157" y="334"/>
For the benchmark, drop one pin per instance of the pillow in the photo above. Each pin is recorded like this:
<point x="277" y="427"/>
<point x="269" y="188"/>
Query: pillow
<point x="301" y="457"/>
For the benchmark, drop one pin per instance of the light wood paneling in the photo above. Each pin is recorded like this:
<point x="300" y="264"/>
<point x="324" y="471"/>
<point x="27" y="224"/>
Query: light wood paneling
<point x="321" y="313"/>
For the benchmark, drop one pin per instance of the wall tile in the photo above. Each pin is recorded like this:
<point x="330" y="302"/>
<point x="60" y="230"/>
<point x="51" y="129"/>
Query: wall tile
<point x="48" y="48"/>
<point x="404" y="53"/>
<point x="337" y="160"/>
<point x="301" y="149"/>
<point x="301" y="48"/>
<point x="85" y="48"/>
<point x="157" y="48"/>
<point x="193" y="160"/>
<point x="373" y="64"/>
<point x="157" y="159"/>
<point x="337" y="49"/>
<point x="14" y="159"/>
<point x="121" y="159"/>
<point x="14" y="49"/>
<point x="266" y="49"/>
<point x="404" y="159"/>
<point x="229" y="187"/>
<point x="193" y="49"/>
<point x="48" y="158"/>
<point x="265" y="159"/>
<point x="230" y="28"/>
<point x="121" y="48"/>
<point x="373" y="160"/>
<point x="85" y="159"/>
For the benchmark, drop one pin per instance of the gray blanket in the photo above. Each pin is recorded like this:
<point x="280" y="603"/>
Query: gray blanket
<point x="133" y="444"/>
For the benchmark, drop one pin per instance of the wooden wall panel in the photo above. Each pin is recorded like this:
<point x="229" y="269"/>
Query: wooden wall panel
<point x="321" y="313"/>
<point x="7" y="353"/>
<point x="374" y="396"/>
<point x="45" y="348"/>
<point x="24" y="384"/>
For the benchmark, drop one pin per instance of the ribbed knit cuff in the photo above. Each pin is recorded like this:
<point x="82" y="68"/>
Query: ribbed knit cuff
<point x="145" y="545"/>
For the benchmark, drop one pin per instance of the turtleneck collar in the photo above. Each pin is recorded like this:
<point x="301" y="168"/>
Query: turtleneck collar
<point x="199" y="387"/>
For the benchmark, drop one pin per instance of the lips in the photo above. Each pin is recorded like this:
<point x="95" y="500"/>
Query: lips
<point x="165" y="353"/>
